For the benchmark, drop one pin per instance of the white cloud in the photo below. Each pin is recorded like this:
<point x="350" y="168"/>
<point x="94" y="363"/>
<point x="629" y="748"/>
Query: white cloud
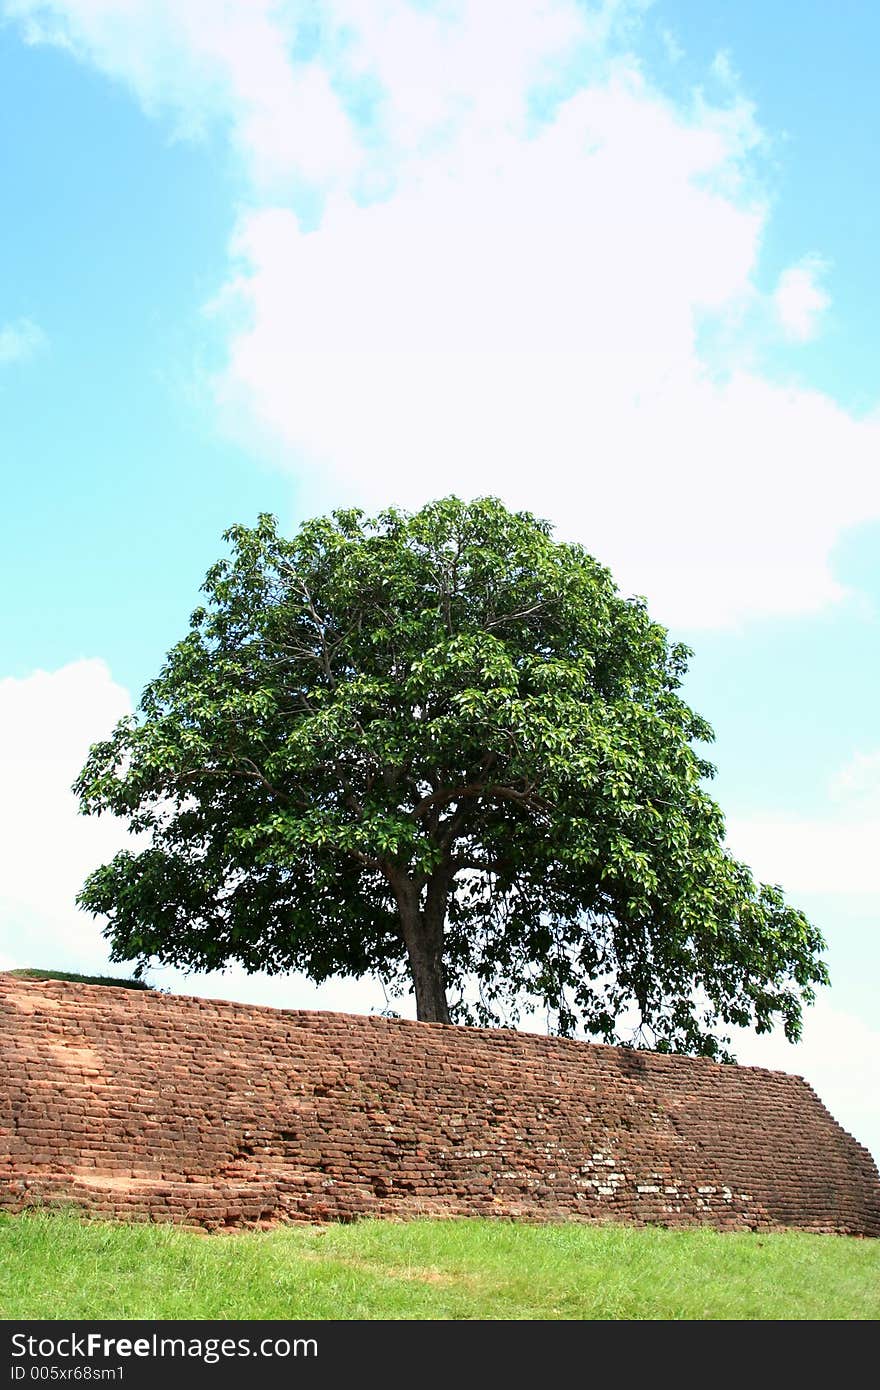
<point x="288" y="76"/>
<point x="363" y="996"/>
<point x="520" y="243"/>
<point x="799" y="300"/>
<point x="723" y="71"/>
<point x="819" y="855"/>
<point x="47" y="722"/>
<point x="857" y="785"/>
<point x="20" y="341"/>
<point x="671" y="46"/>
<point x="530" y="330"/>
<point x="211" y="61"/>
<point x="837" y="852"/>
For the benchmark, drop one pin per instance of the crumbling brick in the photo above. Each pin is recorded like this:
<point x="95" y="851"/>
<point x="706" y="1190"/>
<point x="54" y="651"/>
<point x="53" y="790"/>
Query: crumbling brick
<point x="154" y="1107"/>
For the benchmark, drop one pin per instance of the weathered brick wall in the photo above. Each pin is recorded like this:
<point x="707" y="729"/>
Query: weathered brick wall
<point x="150" y="1106"/>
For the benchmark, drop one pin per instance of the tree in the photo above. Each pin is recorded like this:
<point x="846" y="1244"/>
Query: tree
<point x="441" y="746"/>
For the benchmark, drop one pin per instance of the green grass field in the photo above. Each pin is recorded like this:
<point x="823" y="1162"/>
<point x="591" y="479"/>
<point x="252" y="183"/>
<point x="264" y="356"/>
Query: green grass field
<point x="37" y="974"/>
<point x="59" y="1266"/>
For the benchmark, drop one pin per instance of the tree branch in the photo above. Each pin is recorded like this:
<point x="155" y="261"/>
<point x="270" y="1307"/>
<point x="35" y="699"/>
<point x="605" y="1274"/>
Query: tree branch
<point x="471" y="790"/>
<point x="513" y="617"/>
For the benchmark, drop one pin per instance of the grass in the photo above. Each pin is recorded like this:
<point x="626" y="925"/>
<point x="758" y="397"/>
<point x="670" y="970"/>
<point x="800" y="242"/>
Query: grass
<point x="61" y="1266"/>
<point x="36" y="974"/>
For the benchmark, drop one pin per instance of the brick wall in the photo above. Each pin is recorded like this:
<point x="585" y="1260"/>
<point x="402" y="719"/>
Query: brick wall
<point x="171" y="1108"/>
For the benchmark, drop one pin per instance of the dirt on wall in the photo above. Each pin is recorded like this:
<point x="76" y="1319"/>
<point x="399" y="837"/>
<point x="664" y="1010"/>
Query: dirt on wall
<point x="151" y="1106"/>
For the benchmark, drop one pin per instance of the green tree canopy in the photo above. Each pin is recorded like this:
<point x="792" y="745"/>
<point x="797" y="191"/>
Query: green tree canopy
<point x="441" y="748"/>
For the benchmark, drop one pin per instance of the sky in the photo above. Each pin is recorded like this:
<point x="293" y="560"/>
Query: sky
<point x="613" y="262"/>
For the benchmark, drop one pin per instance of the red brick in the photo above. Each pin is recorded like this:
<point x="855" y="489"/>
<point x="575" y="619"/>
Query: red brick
<point x="212" y="1113"/>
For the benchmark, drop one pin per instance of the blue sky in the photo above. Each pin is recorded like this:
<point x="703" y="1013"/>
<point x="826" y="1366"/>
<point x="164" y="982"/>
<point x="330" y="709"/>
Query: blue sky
<point x="612" y="262"/>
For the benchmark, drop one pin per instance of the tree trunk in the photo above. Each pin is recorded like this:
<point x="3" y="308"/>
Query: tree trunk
<point x="423" y="936"/>
<point x="426" y="967"/>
